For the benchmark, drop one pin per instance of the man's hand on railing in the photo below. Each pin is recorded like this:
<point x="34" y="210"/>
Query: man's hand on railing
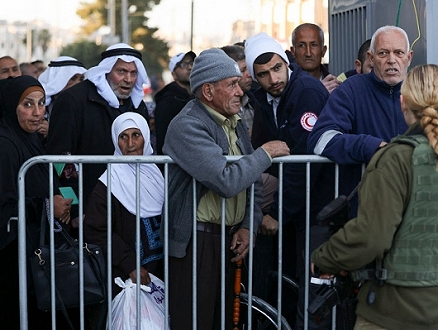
<point x="276" y="148"/>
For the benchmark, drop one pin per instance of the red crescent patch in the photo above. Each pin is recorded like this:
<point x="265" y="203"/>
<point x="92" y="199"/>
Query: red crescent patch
<point x="308" y="120"/>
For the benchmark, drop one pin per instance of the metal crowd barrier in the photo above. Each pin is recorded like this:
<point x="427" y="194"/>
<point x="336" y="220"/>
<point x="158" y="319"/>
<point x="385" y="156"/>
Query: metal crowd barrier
<point x="80" y="160"/>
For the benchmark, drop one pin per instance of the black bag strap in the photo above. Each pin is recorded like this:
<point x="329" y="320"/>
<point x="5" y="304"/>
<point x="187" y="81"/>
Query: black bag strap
<point x="44" y="267"/>
<point x="98" y="272"/>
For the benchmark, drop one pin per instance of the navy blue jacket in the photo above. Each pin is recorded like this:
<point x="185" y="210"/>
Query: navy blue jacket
<point x="300" y="105"/>
<point x="361" y="113"/>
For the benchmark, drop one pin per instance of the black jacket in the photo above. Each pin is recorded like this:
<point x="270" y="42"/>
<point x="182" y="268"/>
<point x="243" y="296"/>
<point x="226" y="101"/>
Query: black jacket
<point x="168" y="103"/>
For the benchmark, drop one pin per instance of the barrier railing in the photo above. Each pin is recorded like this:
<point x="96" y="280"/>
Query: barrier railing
<point x="165" y="160"/>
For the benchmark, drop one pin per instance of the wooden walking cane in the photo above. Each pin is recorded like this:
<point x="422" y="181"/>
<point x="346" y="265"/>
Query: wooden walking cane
<point x="237" y="287"/>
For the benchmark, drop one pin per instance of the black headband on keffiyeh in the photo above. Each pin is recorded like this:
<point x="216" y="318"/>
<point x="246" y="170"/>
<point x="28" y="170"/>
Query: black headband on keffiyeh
<point x="66" y="63"/>
<point x="121" y="51"/>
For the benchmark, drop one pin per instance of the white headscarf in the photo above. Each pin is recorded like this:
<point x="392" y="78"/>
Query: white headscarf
<point x="58" y="73"/>
<point x="97" y="75"/>
<point x="123" y="176"/>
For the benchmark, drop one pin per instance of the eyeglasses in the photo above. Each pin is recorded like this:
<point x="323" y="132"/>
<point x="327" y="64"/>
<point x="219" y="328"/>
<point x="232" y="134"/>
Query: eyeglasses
<point x="185" y="65"/>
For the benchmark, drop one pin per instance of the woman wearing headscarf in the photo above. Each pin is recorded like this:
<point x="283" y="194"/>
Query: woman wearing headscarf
<point x="131" y="136"/>
<point x="22" y="107"/>
<point x="396" y="228"/>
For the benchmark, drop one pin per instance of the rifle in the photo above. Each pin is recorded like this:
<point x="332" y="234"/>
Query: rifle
<point x="335" y="215"/>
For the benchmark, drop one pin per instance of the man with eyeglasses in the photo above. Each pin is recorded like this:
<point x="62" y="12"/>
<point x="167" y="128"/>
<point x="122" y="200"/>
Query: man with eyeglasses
<point x="82" y="115"/>
<point x="174" y="96"/>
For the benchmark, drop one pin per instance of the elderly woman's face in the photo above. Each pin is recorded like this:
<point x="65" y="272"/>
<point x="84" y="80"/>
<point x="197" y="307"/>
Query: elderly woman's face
<point x="30" y="111"/>
<point x="131" y="142"/>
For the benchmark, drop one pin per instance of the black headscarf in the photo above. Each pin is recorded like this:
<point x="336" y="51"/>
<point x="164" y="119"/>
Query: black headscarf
<point x="16" y="147"/>
<point x="10" y="94"/>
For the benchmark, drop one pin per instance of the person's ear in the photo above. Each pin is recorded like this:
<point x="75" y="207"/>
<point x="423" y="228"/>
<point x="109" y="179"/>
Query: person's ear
<point x="402" y="103"/>
<point x="324" y="50"/>
<point x="370" y="58"/>
<point x="358" y="66"/>
<point x="207" y="91"/>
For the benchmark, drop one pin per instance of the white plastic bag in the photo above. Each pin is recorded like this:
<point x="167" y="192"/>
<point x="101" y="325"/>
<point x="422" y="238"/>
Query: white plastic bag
<point x="124" y="307"/>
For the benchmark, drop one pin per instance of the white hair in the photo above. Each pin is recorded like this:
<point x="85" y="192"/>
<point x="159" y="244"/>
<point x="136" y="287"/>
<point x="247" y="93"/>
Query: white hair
<point x="388" y="29"/>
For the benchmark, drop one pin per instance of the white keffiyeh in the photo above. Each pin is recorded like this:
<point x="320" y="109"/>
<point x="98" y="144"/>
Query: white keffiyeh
<point x="97" y="75"/>
<point x="55" y="78"/>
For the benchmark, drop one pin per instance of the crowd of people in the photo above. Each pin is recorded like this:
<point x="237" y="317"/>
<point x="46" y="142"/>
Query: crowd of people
<point x="255" y="100"/>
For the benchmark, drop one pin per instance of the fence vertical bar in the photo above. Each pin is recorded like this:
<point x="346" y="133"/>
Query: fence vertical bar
<point x="307" y="249"/>
<point x="81" y="244"/>
<point x="165" y="222"/>
<point x="52" y="249"/>
<point x="194" y="258"/>
<point x="109" y="247"/>
<point x="280" y="245"/>
<point x="223" y="220"/>
<point x="251" y="257"/>
<point x="137" y="243"/>
<point x="22" y="284"/>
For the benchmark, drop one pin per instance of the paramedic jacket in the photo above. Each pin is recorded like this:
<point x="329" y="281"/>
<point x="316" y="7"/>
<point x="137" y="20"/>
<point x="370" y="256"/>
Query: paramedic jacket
<point x="300" y="105"/>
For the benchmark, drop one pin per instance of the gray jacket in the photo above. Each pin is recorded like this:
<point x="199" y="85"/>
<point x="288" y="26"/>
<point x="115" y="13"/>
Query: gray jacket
<point x="198" y="145"/>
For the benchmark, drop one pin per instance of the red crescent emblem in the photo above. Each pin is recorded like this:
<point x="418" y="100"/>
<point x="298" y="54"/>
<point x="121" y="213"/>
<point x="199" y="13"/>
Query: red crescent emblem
<point x="308" y="120"/>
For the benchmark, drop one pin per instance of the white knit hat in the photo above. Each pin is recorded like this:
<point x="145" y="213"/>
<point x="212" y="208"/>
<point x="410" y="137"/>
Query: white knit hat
<point x="260" y="44"/>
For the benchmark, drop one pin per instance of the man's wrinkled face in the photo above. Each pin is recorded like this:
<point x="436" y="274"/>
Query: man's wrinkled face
<point x="225" y="96"/>
<point x="122" y="78"/>
<point x="272" y="76"/>
<point x="9" y="68"/>
<point x="308" y="49"/>
<point x="391" y="58"/>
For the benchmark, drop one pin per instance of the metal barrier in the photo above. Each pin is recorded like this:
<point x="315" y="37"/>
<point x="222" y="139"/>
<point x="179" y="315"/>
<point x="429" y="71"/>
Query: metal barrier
<point x="80" y="160"/>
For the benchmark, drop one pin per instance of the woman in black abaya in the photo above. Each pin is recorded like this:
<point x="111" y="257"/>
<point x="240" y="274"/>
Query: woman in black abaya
<point x="22" y="110"/>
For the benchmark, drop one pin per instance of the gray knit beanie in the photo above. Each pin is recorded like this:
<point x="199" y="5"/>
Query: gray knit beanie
<point x="212" y="65"/>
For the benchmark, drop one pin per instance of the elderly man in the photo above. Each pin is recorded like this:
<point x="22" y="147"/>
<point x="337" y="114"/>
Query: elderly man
<point x="9" y="67"/>
<point x="308" y="49"/>
<point x="174" y="96"/>
<point x="198" y="138"/>
<point x="364" y="113"/>
<point x="82" y="115"/>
